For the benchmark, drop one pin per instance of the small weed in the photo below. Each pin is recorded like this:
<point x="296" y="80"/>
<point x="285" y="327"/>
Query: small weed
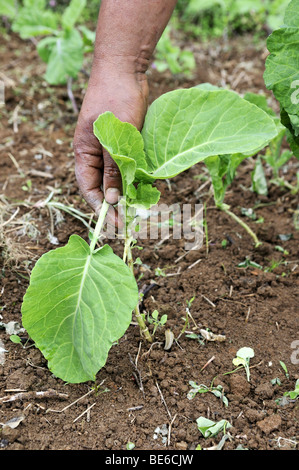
<point x="217" y="391"/>
<point x="242" y="359"/>
<point x="154" y="319"/>
<point x="284" y="367"/>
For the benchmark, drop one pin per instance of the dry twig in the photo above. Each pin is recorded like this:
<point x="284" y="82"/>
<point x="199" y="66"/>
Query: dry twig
<point x="33" y="395"/>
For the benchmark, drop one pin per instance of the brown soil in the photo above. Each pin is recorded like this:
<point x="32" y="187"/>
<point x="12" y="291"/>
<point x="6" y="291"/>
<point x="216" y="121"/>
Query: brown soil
<point x="250" y="306"/>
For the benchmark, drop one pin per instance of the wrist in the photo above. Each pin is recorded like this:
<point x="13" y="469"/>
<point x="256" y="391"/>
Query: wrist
<point x="120" y="65"/>
<point x="118" y="76"/>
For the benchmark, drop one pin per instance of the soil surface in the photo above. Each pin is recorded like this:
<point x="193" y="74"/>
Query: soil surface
<point x="141" y="395"/>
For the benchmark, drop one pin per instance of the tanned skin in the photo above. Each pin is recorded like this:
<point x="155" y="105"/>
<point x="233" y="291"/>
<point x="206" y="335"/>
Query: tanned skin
<point x="127" y="34"/>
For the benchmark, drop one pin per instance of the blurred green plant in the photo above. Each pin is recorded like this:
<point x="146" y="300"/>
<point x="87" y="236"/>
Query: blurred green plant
<point x="60" y="43"/>
<point x="275" y="157"/>
<point x="169" y="56"/>
<point x="213" y="18"/>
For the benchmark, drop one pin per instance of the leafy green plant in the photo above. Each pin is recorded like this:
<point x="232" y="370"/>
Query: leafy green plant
<point x="209" y="428"/>
<point x="60" y="43"/>
<point x="130" y="445"/>
<point x="169" y="56"/>
<point x="222" y="167"/>
<point x="62" y="48"/>
<point x="258" y="179"/>
<point x="8" y="8"/>
<point x="80" y="298"/>
<point x="285" y="369"/>
<point x="282" y="74"/>
<point x="213" y="18"/>
<point x="15" y="339"/>
<point x="242" y="359"/>
<point x="273" y="157"/>
<point x="217" y="391"/>
<point x="293" y="394"/>
<point x="154" y="319"/>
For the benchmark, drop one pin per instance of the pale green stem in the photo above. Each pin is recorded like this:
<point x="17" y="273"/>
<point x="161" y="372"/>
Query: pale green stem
<point x="128" y="241"/>
<point x="99" y="225"/>
<point x="128" y="258"/>
<point x="242" y="223"/>
<point x="143" y="328"/>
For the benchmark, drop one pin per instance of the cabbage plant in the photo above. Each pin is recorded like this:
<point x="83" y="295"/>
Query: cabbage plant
<point x="282" y="72"/>
<point x="60" y="43"/>
<point x="80" y="298"/>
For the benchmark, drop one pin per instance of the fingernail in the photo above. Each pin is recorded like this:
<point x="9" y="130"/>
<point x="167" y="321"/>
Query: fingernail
<point x="112" y="195"/>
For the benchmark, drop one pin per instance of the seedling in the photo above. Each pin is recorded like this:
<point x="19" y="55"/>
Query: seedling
<point x="276" y="381"/>
<point x="217" y="391"/>
<point x="170" y="56"/>
<point x="242" y="359"/>
<point x="130" y="445"/>
<point x="224" y="243"/>
<point x="282" y="250"/>
<point x="62" y="45"/>
<point x="27" y="186"/>
<point x="259" y="182"/>
<point x="80" y="298"/>
<point x="15" y="339"/>
<point x="294" y="393"/>
<point x="154" y="319"/>
<point x="247" y="263"/>
<point x="209" y="428"/>
<point x="160" y="272"/>
<point x="285" y="369"/>
<point x="188" y="314"/>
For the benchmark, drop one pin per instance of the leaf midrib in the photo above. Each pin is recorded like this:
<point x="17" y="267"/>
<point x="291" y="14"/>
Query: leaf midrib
<point x="77" y="309"/>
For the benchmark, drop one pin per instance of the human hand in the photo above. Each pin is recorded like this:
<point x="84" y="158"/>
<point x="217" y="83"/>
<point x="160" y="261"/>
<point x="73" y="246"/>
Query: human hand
<point x="126" y="96"/>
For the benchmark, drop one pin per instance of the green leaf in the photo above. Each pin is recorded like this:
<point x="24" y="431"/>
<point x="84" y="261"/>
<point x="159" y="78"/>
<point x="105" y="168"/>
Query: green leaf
<point x="282" y="71"/>
<point x="77" y="305"/>
<point x="88" y="37"/>
<point x="146" y="196"/>
<point x="222" y="170"/>
<point x="123" y="142"/>
<point x="294" y="393"/>
<point x="291" y="16"/>
<point x="292" y="139"/>
<point x="38" y="4"/>
<point x="208" y="86"/>
<point x="209" y="428"/>
<point x="33" y="21"/>
<point x="45" y="46"/>
<point x="282" y="74"/>
<point x="131" y="191"/>
<point x="245" y="353"/>
<point x="259" y="182"/>
<point x="15" y="339"/>
<point x="65" y="58"/>
<point x="72" y="13"/>
<point x="184" y="127"/>
<point x="8" y="8"/>
<point x="243" y="357"/>
<point x="261" y="102"/>
<point x="181" y="128"/>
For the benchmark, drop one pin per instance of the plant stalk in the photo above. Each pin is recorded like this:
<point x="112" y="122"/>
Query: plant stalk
<point x="242" y="223"/>
<point x="99" y="225"/>
<point x="128" y="258"/>
<point x="71" y="96"/>
<point x="143" y="328"/>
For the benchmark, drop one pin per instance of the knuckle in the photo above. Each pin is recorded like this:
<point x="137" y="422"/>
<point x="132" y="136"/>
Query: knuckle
<point x="111" y="171"/>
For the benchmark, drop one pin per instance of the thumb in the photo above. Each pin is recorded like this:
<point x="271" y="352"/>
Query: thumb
<point x="111" y="179"/>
